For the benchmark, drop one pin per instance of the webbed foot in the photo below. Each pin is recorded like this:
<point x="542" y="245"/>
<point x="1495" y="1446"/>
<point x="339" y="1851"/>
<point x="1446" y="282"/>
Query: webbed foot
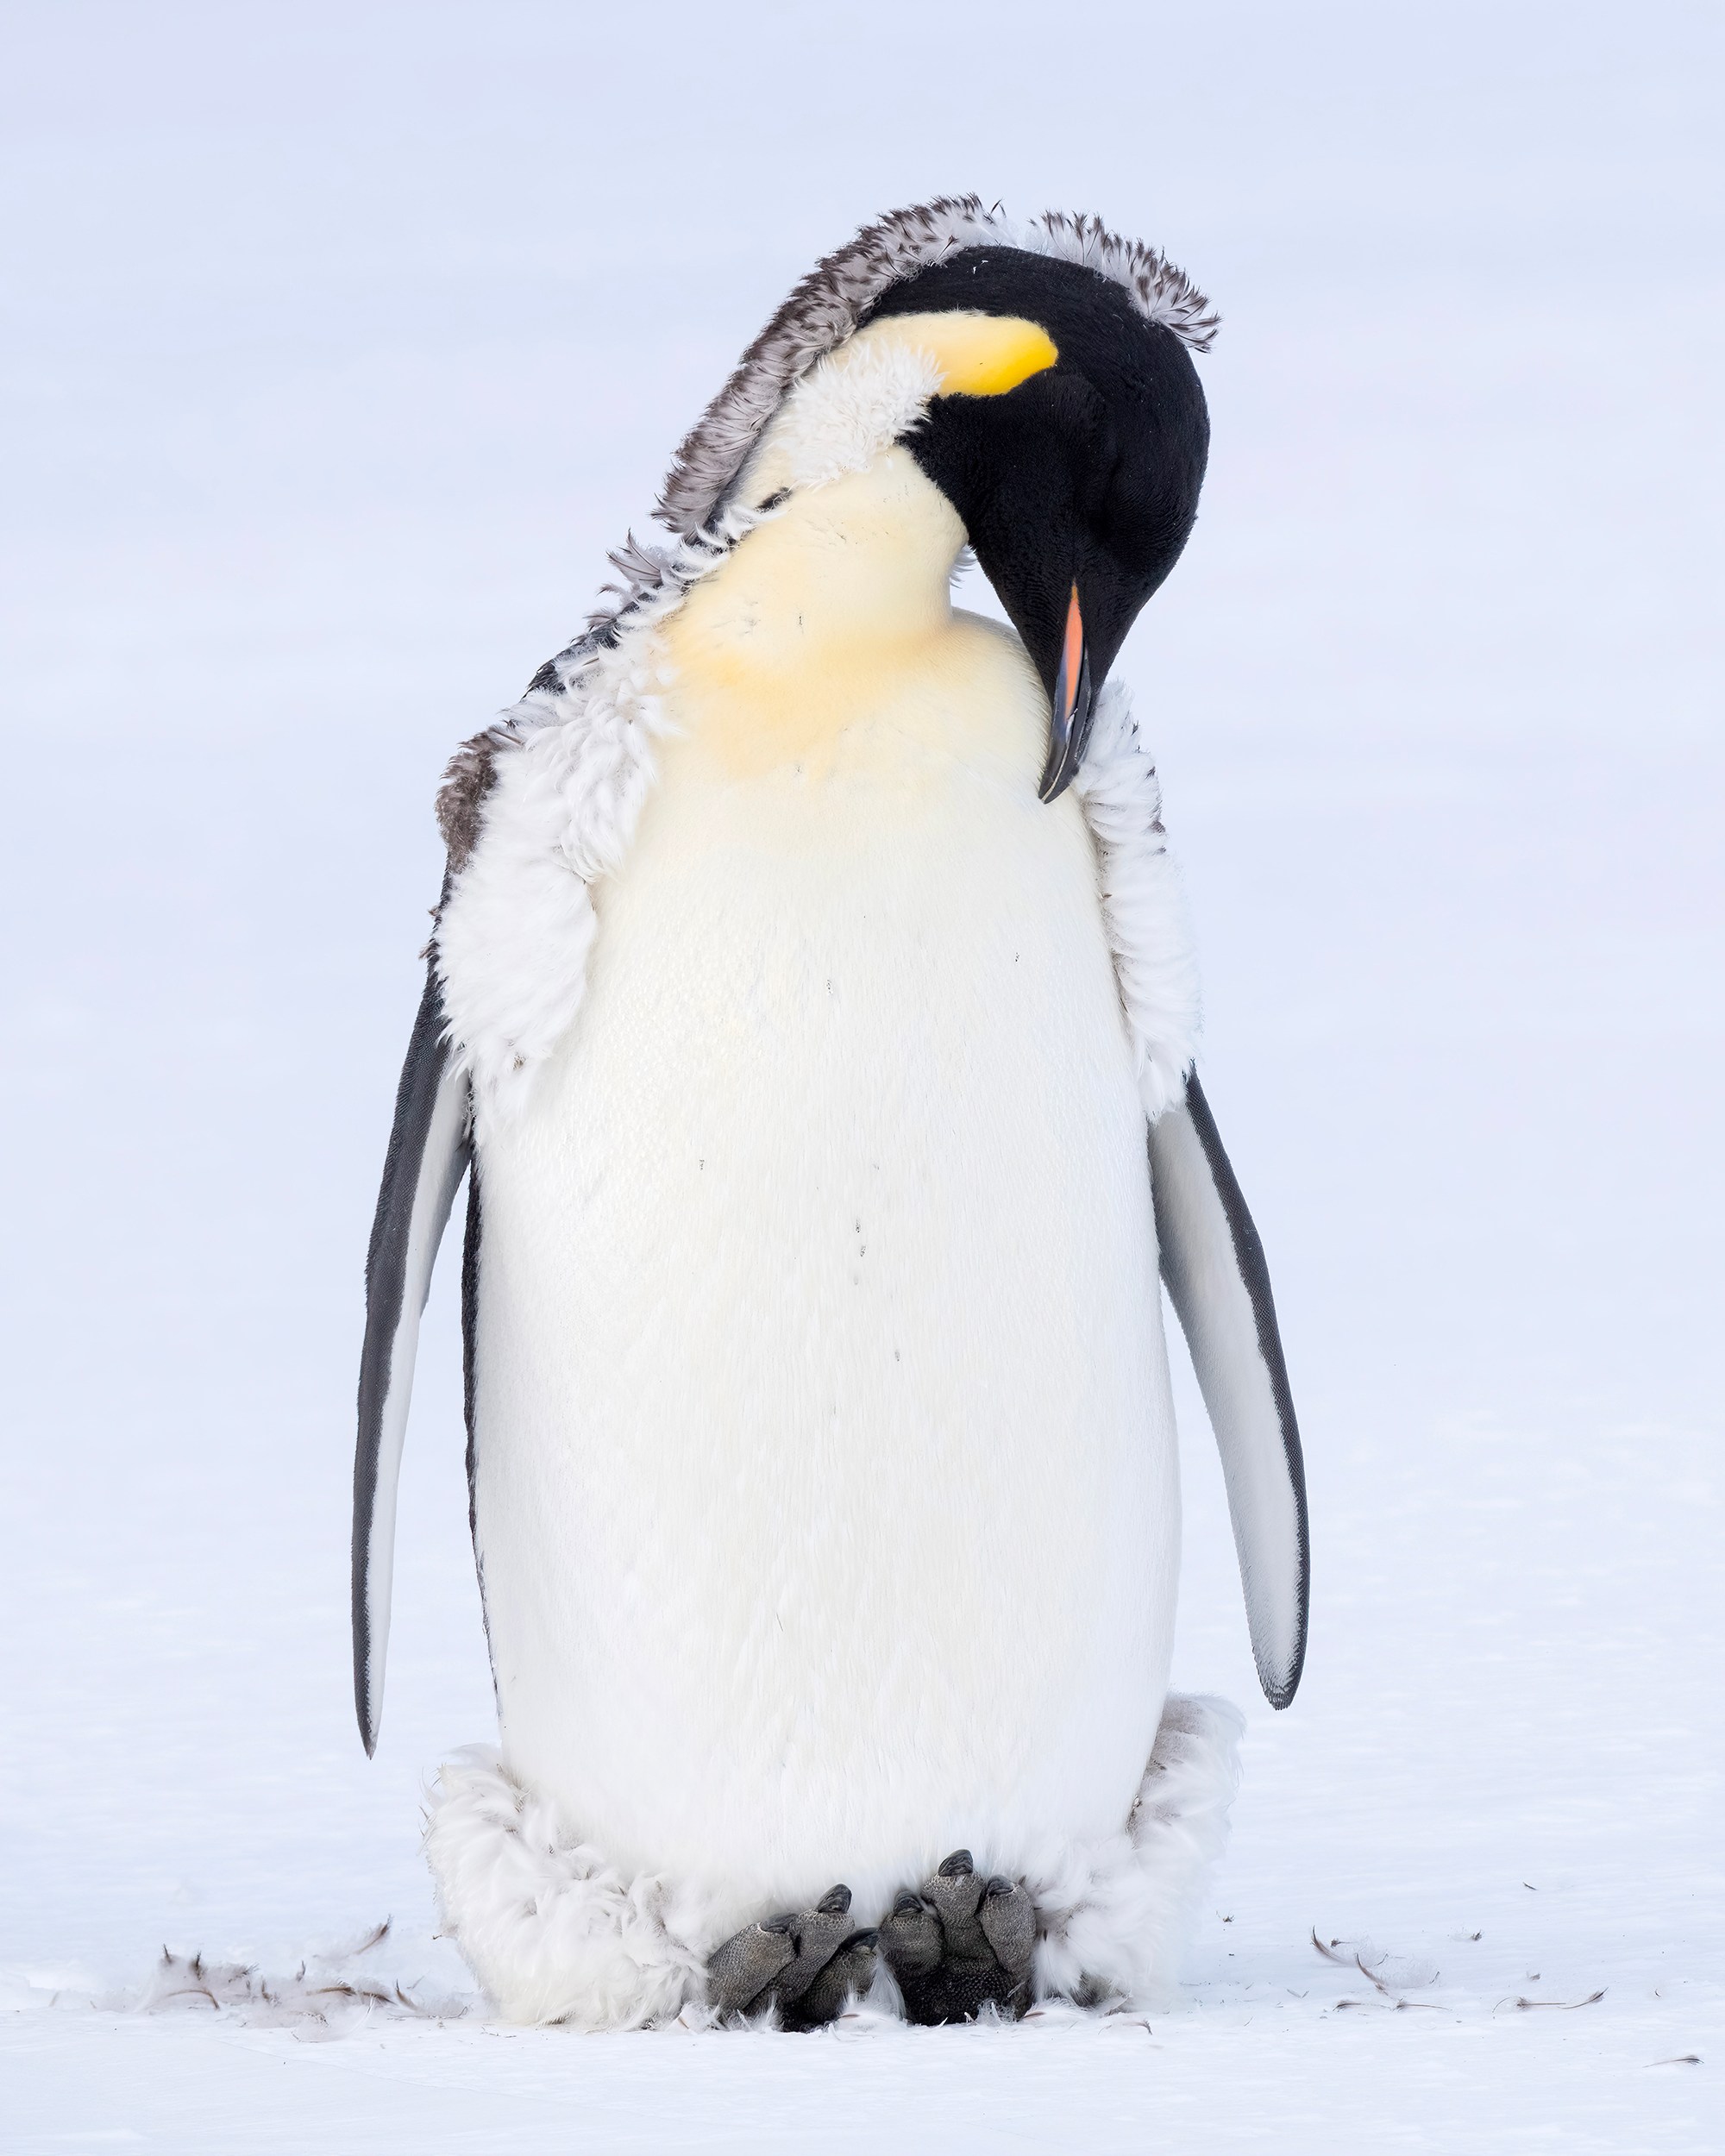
<point x="962" y="1943"/>
<point x="808" y="1964"/>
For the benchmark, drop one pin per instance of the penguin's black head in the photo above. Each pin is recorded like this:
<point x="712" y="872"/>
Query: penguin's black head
<point x="1077" y="486"/>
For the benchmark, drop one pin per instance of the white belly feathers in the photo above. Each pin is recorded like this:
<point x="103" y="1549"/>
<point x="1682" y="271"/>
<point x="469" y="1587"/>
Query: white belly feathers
<point x="826" y="1481"/>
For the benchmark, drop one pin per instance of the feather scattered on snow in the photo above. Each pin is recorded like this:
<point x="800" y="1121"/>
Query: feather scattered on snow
<point x="329" y="1993"/>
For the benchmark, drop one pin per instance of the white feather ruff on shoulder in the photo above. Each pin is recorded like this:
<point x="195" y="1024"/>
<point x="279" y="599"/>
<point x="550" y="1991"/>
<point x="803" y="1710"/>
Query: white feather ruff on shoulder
<point x="553" y="1932"/>
<point x="1144" y="902"/>
<point x="517" y="930"/>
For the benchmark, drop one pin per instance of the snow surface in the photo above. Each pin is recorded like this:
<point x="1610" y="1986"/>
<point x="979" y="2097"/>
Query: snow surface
<point x="343" y="340"/>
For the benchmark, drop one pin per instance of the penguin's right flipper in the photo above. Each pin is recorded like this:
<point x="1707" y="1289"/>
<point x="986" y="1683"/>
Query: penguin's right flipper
<point x="1212" y="1261"/>
<point x="428" y="1155"/>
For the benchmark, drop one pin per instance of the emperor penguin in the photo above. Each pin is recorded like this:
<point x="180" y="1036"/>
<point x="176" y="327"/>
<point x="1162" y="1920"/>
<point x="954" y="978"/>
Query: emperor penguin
<point x="811" y="1010"/>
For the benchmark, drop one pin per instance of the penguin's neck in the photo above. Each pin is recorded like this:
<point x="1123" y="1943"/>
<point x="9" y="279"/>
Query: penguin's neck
<point x="815" y="619"/>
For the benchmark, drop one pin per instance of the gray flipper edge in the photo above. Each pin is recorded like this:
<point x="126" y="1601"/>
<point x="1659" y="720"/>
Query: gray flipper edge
<point x="1212" y="1261"/>
<point x="428" y="1154"/>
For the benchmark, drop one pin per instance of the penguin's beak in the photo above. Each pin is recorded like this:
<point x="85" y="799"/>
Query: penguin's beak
<point x="1069" y="726"/>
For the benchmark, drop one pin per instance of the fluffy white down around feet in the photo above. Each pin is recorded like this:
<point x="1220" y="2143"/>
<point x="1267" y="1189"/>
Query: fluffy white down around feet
<point x="556" y="1934"/>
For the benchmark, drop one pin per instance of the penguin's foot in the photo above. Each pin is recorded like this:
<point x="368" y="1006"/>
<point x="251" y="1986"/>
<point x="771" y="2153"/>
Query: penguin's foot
<point x="808" y="1966"/>
<point x="960" y="1944"/>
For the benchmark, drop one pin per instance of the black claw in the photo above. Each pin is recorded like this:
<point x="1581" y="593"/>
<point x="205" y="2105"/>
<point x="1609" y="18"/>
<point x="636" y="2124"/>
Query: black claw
<point x="958" y="1866"/>
<point x="909" y="1903"/>
<point x="835" y="1901"/>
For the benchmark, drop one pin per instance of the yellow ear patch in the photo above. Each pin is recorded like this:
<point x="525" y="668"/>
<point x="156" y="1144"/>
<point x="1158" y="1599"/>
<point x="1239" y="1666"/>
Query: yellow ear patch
<point x="979" y="355"/>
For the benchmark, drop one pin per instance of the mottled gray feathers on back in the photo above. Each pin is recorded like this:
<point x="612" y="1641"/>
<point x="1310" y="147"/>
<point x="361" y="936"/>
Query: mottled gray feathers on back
<point x="467" y="780"/>
<point x="827" y="306"/>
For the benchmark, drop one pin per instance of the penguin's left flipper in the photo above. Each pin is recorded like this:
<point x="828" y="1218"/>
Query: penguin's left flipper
<point x="1212" y="1261"/>
<point x="809" y="1966"/>
<point x="428" y="1148"/>
<point x="961" y="1943"/>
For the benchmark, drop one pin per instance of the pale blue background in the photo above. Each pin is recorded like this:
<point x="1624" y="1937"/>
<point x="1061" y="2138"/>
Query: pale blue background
<point x="342" y="341"/>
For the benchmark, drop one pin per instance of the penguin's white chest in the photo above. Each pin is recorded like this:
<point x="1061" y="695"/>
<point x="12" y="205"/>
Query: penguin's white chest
<point x="825" y="1475"/>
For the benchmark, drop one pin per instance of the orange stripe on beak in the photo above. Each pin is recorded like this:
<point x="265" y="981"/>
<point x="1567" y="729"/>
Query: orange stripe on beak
<point x="1068" y="722"/>
<point x="1071" y="656"/>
